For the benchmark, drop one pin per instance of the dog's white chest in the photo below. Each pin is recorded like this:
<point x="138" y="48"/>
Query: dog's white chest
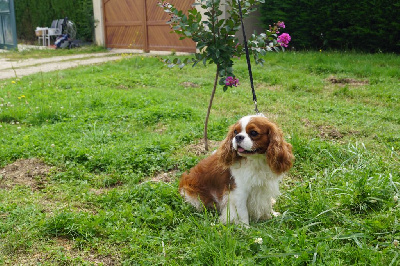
<point x="256" y="186"/>
<point x="252" y="172"/>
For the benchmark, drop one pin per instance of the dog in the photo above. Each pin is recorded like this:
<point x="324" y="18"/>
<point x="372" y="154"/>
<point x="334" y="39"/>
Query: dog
<point x="241" y="178"/>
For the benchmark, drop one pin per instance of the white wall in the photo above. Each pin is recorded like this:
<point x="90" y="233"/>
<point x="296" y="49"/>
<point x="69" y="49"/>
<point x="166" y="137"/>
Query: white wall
<point x="98" y="22"/>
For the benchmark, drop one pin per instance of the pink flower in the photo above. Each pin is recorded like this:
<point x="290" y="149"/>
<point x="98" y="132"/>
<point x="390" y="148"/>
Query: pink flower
<point x="231" y="81"/>
<point x="284" y="39"/>
<point x="281" y="24"/>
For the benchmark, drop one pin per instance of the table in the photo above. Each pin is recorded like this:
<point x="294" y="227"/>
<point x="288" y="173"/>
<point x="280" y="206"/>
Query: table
<point x="41" y="33"/>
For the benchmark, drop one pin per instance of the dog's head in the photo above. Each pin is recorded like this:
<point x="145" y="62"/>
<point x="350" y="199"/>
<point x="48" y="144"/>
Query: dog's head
<point x="255" y="135"/>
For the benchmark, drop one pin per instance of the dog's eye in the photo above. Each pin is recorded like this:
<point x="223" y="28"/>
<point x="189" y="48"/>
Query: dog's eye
<point x="253" y="133"/>
<point x="235" y="131"/>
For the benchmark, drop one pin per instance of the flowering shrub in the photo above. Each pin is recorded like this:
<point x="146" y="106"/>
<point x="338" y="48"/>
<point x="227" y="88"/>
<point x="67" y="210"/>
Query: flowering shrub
<point x="215" y="38"/>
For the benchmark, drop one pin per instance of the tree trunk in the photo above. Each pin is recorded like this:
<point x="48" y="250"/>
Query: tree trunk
<point x="208" y="111"/>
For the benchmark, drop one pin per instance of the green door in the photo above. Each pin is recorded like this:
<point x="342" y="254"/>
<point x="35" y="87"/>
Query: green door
<point x="8" y="32"/>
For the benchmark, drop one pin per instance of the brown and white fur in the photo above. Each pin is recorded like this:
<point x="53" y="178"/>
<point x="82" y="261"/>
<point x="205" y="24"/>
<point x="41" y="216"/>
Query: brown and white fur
<point x="241" y="178"/>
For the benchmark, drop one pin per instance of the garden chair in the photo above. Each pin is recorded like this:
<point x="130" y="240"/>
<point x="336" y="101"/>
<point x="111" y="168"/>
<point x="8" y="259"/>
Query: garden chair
<point x="55" y="29"/>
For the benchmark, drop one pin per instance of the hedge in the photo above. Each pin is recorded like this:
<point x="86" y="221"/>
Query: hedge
<point x="30" y="14"/>
<point x="369" y="25"/>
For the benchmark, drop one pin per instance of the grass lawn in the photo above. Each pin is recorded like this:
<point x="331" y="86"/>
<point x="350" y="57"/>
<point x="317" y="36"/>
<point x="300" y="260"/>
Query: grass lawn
<point x="90" y="160"/>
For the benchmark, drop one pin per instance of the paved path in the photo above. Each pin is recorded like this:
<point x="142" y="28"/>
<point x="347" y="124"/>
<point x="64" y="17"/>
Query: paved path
<point x="20" y="68"/>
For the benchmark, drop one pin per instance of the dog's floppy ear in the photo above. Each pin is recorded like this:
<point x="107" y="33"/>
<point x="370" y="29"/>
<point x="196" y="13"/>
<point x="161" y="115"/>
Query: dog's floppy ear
<point x="279" y="152"/>
<point x="226" y="154"/>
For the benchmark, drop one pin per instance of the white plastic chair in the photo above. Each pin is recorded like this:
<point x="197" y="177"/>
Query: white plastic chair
<point x="54" y="30"/>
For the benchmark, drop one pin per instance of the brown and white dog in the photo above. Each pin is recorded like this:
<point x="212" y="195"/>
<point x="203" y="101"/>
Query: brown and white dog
<point x="241" y="178"/>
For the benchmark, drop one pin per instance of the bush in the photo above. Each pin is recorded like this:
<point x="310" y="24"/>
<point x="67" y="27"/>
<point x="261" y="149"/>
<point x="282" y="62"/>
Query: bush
<point x="30" y="14"/>
<point x="370" y="26"/>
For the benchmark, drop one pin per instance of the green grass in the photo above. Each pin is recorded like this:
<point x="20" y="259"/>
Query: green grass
<point x="108" y="129"/>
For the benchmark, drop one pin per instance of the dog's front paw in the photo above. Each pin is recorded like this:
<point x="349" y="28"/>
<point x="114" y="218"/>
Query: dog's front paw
<point x="275" y="214"/>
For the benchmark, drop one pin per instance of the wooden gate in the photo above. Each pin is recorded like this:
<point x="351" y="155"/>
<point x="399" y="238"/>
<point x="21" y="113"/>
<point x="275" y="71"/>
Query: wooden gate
<point x="141" y="24"/>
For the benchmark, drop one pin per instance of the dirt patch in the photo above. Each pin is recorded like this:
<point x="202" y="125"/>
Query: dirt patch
<point x="347" y="81"/>
<point x="329" y="132"/>
<point x="68" y="246"/>
<point x="198" y="147"/>
<point x="188" y="84"/>
<point x="325" y="131"/>
<point x="99" y="191"/>
<point x="306" y="122"/>
<point x="64" y="243"/>
<point x="354" y="132"/>
<point x="102" y="260"/>
<point x="27" y="172"/>
<point x="65" y="247"/>
<point x="122" y="87"/>
<point x="166" y="177"/>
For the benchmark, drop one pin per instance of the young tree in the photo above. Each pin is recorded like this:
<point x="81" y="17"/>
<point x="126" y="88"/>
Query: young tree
<point x="216" y="42"/>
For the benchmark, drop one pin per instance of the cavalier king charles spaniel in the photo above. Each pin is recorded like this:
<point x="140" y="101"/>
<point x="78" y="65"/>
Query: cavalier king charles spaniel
<point x="241" y="178"/>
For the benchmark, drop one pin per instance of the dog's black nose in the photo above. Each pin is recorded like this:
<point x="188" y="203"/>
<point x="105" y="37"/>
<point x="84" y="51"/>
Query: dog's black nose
<point x="239" y="138"/>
